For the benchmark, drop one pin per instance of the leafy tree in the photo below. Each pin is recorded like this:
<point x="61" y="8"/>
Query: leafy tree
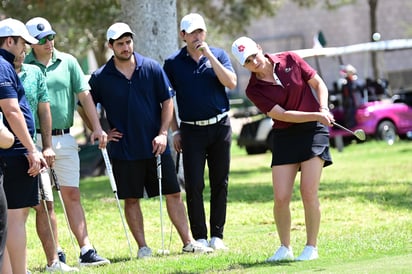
<point x="81" y="25"/>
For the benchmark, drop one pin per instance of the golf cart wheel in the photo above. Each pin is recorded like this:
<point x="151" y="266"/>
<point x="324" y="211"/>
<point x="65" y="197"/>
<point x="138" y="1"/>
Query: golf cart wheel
<point x="387" y="132"/>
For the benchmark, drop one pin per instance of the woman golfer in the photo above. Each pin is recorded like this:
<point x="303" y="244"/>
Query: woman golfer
<point x="281" y="86"/>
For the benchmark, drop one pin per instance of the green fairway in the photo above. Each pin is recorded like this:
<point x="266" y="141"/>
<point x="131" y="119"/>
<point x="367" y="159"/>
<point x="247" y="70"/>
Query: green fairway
<point x="366" y="227"/>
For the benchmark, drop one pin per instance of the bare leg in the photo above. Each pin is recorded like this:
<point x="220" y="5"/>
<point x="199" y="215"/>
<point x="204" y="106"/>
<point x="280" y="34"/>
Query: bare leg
<point x="283" y="179"/>
<point x="310" y="178"/>
<point x="134" y="218"/>
<point x="43" y="230"/>
<point x="75" y="214"/>
<point x="16" y="239"/>
<point x="177" y="213"/>
<point x="6" y="268"/>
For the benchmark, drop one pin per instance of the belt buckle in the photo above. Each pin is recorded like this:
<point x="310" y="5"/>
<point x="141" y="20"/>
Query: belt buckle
<point x="203" y="122"/>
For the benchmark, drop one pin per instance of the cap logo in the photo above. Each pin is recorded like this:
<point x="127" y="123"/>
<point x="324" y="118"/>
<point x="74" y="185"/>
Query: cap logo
<point x="40" y="27"/>
<point x="241" y="48"/>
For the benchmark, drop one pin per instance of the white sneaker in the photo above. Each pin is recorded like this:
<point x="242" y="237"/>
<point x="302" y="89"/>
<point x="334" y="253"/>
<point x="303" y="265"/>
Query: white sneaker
<point x="203" y="242"/>
<point x="282" y="254"/>
<point x="309" y="253"/>
<point x="217" y="244"/>
<point x="144" y="252"/>
<point x="61" y="267"/>
<point x="197" y="247"/>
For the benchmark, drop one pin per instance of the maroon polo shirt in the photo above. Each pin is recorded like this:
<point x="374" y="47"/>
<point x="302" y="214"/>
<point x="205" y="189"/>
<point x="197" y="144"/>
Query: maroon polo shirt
<point x="294" y="94"/>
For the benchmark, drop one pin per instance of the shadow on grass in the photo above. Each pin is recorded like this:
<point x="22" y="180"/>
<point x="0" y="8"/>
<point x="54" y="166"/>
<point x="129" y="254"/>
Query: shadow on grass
<point x="380" y="192"/>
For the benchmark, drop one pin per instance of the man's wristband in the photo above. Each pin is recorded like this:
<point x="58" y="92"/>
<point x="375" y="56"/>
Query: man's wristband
<point x="323" y="108"/>
<point x="174" y="133"/>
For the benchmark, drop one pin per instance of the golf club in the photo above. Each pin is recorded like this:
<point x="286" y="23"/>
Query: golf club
<point x="359" y="133"/>
<point x="162" y="251"/>
<point x="43" y="198"/>
<point x="57" y="185"/>
<point x="114" y="188"/>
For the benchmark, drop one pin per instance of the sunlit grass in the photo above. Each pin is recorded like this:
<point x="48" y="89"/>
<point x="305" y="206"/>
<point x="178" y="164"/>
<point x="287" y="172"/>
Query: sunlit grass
<point x="366" y="200"/>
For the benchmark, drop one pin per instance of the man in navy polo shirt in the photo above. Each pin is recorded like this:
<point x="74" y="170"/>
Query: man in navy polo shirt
<point x="137" y="98"/>
<point x="22" y="162"/>
<point x="200" y="75"/>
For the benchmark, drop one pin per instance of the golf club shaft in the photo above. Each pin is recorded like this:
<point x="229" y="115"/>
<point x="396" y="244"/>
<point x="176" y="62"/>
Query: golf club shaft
<point x="114" y="188"/>
<point x="43" y="198"/>
<point x="344" y="128"/>
<point x="56" y="183"/>
<point x="159" y="178"/>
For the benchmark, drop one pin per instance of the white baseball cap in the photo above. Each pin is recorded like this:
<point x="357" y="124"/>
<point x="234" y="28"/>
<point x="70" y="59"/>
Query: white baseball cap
<point x="13" y="27"/>
<point x="118" y="29"/>
<point x="192" y="22"/>
<point x="243" y="47"/>
<point x="39" y="27"/>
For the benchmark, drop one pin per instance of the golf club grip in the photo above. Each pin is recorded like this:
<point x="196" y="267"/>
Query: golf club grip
<point x="54" y="176"/>
<point x="177" y="162"/>
<point x="109" y="169"/>
<point x="159" y="166"/>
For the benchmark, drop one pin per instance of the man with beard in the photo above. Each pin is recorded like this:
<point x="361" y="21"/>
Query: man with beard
<point x="138" y="100"/>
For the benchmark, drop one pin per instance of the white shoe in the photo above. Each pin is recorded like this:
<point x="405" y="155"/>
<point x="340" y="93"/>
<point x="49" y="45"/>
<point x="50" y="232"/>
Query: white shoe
<point x="144" y="252"/>
<point x="282" y="254"/>
<point x="203" y="242"/>
<point x="309" y="253"/>
<point x="197" y="247"/>
<point x="217" y="244"/>
<point x="61" y="267"/>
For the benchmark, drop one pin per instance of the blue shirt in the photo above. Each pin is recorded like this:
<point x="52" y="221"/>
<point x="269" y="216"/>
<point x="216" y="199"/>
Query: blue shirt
<point x="11" y="87"/>
<point x="132" y="106"/>
<point x="199" y="93"/>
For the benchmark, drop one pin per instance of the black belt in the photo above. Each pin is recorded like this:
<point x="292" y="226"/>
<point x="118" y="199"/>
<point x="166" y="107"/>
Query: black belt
<point x="57" y="132"/>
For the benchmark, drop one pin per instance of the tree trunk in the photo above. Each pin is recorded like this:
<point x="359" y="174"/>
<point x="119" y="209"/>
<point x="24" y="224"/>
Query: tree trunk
<point x="154" y="23"/>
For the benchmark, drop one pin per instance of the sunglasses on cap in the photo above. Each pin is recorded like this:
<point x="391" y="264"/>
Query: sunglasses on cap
<point x="43" y="40"/>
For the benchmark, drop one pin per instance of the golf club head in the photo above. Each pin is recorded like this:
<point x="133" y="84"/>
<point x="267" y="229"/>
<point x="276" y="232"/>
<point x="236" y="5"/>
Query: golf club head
<point x="360" y="134"/>
<point x="163" y="252"/>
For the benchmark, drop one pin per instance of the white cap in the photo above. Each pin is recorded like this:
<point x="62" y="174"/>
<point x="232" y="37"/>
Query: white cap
<point x="244" y="47"/>
<point x="192" y="22"/>
<point x="13" y="27"/>
<point x="116" y="30"/>
<point x="39" y="27"/>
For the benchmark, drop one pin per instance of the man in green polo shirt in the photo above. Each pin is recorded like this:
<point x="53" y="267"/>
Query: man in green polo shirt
<point x="65" y="83"/>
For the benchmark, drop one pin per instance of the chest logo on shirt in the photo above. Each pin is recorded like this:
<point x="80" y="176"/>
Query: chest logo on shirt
<point x="287" y="70"/>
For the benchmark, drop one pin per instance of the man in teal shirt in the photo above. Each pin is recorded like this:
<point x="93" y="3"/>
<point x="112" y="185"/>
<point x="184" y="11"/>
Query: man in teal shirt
<point x="37" y="95"/>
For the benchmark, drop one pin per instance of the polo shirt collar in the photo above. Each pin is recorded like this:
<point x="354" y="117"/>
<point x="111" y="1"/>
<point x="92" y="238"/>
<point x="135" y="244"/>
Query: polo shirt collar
<point x="31" y="59"/>
<point x="7" y="55"/>
<point x="273" y="58"/>
<point x="137" y="57"/>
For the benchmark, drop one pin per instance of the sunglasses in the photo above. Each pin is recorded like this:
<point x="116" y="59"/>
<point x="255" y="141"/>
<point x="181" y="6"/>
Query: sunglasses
<point x="43" y="40"/>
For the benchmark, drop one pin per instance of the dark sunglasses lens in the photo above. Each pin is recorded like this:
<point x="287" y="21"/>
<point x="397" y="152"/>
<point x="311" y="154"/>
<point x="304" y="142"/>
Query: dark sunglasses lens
<point x="43" y="40"/>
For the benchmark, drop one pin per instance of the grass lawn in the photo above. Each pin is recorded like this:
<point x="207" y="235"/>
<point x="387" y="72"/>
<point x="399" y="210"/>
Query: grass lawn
<point x="366" y="199"/>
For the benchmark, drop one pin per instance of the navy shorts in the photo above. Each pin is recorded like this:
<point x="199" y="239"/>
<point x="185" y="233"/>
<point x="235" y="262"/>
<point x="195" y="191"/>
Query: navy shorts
<point x="20" y="188"/>
<point x="133" y="176"/>
<point x="300" y="143"/>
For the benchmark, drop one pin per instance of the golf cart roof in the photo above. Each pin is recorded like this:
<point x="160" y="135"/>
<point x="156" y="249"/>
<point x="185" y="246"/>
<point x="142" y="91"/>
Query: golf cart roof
<point x="387" y="45"/>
